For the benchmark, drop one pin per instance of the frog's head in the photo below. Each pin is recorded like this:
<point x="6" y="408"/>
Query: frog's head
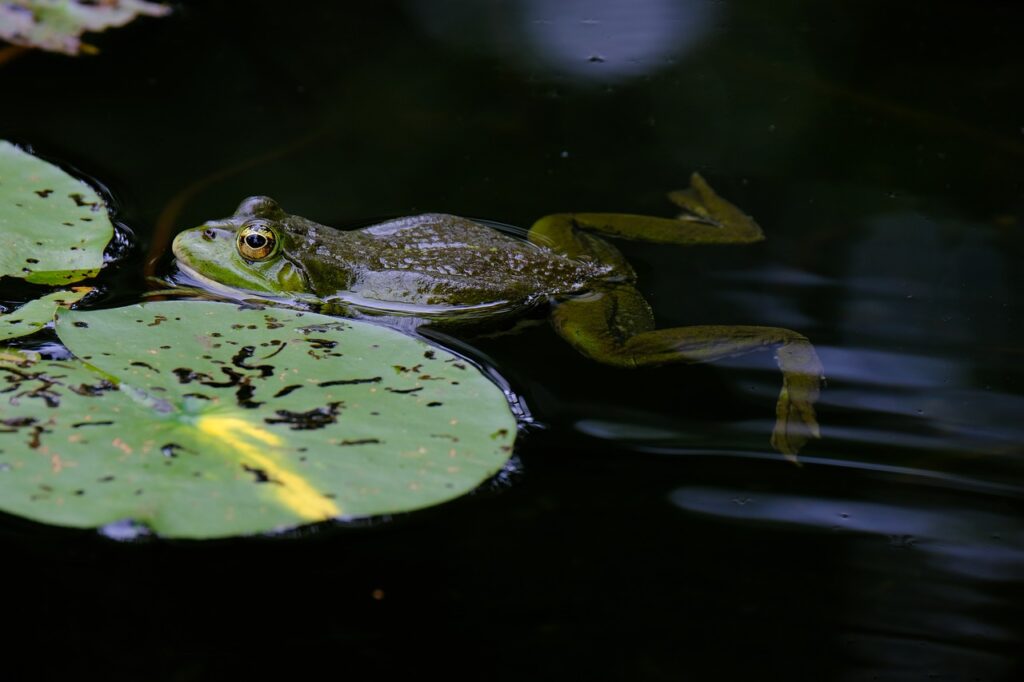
<point x="249" y="251"/>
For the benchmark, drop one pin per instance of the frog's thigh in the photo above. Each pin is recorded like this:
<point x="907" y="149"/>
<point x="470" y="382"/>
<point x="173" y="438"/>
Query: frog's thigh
<point x="560" y="233"/>
<point x="615" y="327"/>
<point x="598" y="324"/>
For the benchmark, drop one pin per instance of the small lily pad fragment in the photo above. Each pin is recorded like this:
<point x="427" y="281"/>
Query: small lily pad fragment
<point x="34" y="315"/>
<point x="202" y="419"/>
<point x="54" y="227"/>
<point x="57" y="25"/>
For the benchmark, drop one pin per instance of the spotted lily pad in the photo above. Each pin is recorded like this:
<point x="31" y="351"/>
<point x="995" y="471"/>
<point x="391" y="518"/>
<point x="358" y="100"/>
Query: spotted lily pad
<point x="201" y="419"/>
<point x="34" y="315"/>
<point x="57" y="25"/>
<point x="54" y="227"/>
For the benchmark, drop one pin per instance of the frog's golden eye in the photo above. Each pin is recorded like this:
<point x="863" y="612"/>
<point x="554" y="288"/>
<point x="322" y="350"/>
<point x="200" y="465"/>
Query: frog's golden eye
<point x="257" y="241"/>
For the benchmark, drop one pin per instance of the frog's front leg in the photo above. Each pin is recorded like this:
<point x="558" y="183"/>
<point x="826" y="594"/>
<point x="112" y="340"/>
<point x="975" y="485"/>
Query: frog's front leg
<point x="706" y="219"/>
<point x="614" y="326"/>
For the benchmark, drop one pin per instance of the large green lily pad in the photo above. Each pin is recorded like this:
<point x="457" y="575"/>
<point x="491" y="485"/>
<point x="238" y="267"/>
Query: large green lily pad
<point x="57" y="25"/>
<point x="202" y="419"/>
<point x="34" y="315"/>
<point x="54" y="227"/>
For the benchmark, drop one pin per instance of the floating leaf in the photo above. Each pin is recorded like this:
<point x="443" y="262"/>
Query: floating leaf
<point x="56" y="25"/>
<point x="34" y="315"/>
<point x="231" y="421"/>
<point x="54" y="227"/>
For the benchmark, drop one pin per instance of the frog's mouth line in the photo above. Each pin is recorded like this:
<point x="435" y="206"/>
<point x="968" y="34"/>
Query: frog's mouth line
<point x="364" y="304"/>
<point x="215" y="286"/>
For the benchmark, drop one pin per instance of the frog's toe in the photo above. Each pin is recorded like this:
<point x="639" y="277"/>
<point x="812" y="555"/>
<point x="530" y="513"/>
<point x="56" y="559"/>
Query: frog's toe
<point x="705" y="210"/>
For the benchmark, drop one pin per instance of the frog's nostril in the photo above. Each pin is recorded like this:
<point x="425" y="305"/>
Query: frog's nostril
<point x="209" y="235"/>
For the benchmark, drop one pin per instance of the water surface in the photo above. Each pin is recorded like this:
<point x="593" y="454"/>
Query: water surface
<point x="648" y="532"/>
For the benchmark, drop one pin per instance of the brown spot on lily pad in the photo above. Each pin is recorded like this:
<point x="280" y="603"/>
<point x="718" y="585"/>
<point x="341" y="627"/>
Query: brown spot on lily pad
<point x="317" y="418"/>
<point x="403" y="390"/>
<point x="260" y="475"/>
<point x="348" y="382"/>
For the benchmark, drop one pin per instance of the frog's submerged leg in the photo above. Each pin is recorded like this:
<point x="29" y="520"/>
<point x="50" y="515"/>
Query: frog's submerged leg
<point x="614" y="325"/>
<point x="706" y="219"/>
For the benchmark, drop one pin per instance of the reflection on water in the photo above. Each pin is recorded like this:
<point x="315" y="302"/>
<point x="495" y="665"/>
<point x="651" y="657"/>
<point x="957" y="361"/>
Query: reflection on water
<point x="926" y="402"/>
<point x="589" y="40"/>
<point x="624" y="39"/>
<point x="873" y="397"/>
<point x="923" y="570"/>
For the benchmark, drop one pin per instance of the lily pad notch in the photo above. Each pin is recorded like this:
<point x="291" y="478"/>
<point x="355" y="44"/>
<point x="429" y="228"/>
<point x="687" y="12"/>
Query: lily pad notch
<point x="36" y="314"/>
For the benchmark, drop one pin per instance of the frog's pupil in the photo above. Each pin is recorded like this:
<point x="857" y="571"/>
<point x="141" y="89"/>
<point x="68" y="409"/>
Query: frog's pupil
<point x="255" y="241"/>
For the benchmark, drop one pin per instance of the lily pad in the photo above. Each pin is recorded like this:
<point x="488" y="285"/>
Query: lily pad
<point x="34" y="315"/>
<point x="202" y="419"/>
<point x="57" y="25"/>
<point x="54" y="227"/>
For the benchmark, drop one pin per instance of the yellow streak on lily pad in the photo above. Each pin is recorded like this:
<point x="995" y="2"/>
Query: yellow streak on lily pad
<point x="256" y="447"/>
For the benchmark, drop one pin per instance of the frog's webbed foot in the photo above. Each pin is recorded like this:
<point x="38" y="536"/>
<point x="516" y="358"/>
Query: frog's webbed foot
<point x="795" y="421"/>
<point x="614" y="326"/>
<point x="706" y="219"/>
<point x="701" y="204"/>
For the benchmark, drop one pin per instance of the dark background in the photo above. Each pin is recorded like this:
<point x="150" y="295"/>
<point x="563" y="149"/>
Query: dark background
<point x="646" y="531"/>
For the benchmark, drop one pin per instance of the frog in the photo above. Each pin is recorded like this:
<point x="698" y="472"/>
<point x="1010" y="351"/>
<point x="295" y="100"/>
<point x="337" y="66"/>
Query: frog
<point x="438" y="269"/>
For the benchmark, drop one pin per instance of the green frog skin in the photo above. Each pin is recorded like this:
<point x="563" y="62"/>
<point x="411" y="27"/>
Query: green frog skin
<point x="441" y="268"/>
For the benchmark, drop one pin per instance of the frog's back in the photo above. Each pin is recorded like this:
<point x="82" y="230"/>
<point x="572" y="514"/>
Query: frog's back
<point x="443" y="260"/>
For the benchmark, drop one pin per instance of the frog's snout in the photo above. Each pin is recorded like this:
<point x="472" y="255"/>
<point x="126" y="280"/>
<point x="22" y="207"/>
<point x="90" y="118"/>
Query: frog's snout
<point x="176" y="244"/>
<point x="200" y="240"/>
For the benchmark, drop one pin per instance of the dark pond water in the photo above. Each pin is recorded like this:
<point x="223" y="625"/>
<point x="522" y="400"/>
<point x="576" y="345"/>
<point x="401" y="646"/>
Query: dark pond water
<point x="649" y="533"/>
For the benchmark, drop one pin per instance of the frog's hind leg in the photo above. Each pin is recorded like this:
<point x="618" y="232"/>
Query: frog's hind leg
<point x="614" y="326"/>
<point x="706" y="219"/>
